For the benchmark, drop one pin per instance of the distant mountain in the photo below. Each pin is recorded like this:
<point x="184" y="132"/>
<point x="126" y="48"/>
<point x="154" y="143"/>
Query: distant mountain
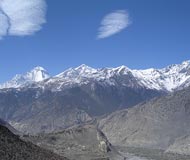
<point x="35" y="75"/>
<point x="161" y="123"/>
<point x="167" y="79"/>
<point x="12" y="147"/>
<point x="77" y="95"/>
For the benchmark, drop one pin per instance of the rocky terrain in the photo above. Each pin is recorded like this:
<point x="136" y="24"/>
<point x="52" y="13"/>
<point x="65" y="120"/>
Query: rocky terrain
<point x="79" y="142"/>
<point x="151" y="154"/>
<point x="13" y="148"/>
<point x="161" y="123"/>
<point x="9" y="127"/>
<point x="181" y="145"/>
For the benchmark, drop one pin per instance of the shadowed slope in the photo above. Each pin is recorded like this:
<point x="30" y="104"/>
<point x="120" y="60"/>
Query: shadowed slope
<point x="14" y="148"/>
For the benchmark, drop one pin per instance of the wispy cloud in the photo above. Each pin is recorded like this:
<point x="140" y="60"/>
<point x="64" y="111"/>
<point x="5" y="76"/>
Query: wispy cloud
<point x="21" y="17"/>
<point x="113" y="23"/>
<point x="3" y="25"/>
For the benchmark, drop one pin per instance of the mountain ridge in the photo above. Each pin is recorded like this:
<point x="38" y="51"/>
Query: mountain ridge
<point x="166" y="79"/>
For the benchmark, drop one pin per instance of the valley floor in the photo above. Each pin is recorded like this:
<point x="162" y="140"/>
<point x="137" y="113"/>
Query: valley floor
<point x="149" y="154"/>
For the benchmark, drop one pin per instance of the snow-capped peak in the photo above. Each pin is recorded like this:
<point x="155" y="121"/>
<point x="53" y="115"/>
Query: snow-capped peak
<point x="186" y="63"/>
<point x="37" y="74"/>
<point x="82" y="69"/>
<point x="122" y="69"/>
<point x="166" y="79"/>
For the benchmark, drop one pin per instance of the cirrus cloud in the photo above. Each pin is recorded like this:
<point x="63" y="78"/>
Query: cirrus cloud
<point x="113" y="23"/>
<point x="21" y="17"/>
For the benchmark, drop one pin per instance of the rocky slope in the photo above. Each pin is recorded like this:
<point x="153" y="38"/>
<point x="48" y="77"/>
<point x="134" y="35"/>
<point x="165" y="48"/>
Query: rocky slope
<point x="80" y="142"/>
<point x="181" y="145"/>
<point x="9" y="127"/>
<point x="12" y="147"/>
<point x="161" y="123"/>
<point x="47" y="110"/>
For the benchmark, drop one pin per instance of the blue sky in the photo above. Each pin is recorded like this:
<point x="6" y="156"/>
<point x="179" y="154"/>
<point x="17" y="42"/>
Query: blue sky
<point x="158" y="35"/>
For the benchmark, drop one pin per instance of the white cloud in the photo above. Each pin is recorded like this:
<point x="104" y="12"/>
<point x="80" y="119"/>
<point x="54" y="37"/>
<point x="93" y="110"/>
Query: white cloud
<point x="113" y="23"/>
<point x="21" y="17"/>
<point x="3" y="25"/>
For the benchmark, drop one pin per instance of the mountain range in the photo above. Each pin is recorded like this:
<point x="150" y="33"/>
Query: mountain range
<point x="101" y="113"/>
<point x="37" y="102"/>
<point x="168" y="79"/>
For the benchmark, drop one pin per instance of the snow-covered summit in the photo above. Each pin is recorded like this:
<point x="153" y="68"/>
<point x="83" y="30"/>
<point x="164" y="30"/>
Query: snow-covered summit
<point x="82" y="70"/>
<point x="167" y="79"/>
<point x="37" y="74"/>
